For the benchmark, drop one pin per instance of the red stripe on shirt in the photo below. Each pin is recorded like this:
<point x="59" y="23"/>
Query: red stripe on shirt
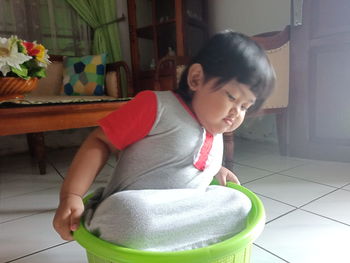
<point x="204" y="152"/>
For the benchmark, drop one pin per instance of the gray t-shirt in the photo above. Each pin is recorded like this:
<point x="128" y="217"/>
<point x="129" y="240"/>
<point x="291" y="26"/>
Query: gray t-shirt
<point x="168" y="156"/>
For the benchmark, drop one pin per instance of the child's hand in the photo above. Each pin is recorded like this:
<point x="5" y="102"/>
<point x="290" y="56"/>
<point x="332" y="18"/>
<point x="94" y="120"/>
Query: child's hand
<point x="224" y="175"/>
<point x="67" y="217"/>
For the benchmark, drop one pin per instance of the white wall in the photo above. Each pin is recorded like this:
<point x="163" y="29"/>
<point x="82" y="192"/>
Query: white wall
<point x="248" y="16"/>
<point x="251" y="17"/>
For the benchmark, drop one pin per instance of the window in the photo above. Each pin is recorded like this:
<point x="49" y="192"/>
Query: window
<point x="53" y="23"/>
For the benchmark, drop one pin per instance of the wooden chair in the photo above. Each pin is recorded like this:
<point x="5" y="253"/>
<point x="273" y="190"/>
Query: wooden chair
<point x="166" y="69"/>
<point x="276" y="44"/>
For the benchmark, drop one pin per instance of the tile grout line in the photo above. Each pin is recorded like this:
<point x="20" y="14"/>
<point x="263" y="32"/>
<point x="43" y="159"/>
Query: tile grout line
<point x="282" y="202"/>
<point x="271" y="253"/>
<point x="342" y="188"/>
<point x="310" y="212"/>
<point x="332" y="219"/>
<point x="250" y="166"/>
<point x="54" y="167"/>
<point x="280" y="171"/>
<point x="256" y="179"/>
<point x="331" y="192"/>
<point x="36" y="252"/>
<point x="346" y="185"/>
<point x="304" y="210"/>
<point x="278" y="217"/>
<point x="27" y="193"/>
<point x="312" y="181"/>
<point x="19" y="218"/>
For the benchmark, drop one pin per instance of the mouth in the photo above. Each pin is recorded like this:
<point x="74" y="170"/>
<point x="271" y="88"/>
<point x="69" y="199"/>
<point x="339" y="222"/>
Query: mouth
<point x="228" y="121"/>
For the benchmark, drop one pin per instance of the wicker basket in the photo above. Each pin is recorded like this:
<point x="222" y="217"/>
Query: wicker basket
<point x="234" y="250"/>
<point x="14" y="88"/>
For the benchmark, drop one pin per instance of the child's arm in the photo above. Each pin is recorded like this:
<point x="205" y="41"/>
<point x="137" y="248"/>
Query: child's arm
<point x="225" y="175"/>
<point x="86" y="164"/>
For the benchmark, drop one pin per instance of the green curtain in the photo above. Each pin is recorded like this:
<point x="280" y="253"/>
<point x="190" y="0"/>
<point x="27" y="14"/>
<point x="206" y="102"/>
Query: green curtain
<point x="101" y="15"/>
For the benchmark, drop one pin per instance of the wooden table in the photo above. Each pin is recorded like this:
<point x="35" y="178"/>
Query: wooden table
<point x="34" y="120"/>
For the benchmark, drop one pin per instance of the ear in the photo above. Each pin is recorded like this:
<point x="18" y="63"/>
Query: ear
<point x="195" y="76"/>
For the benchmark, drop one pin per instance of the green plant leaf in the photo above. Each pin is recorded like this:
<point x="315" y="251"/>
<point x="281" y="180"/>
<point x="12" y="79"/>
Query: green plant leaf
<point x="40" y="73"/>
<point x="21" y="48"/>
<point x="22" y="72"/>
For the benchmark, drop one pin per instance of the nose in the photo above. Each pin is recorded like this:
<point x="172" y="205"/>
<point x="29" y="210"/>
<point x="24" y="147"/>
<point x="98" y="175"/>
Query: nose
<point x="234" y="111"/>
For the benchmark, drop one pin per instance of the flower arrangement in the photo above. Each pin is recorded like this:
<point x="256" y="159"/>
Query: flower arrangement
<point x="22" y="59"/>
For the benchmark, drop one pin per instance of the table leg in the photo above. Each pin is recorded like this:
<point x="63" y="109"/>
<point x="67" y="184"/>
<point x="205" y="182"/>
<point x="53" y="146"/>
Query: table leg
<point x="36" y="144"/>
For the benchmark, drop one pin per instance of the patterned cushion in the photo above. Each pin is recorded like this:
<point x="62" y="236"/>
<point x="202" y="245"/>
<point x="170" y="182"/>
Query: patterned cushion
<point x="84" y="75"/>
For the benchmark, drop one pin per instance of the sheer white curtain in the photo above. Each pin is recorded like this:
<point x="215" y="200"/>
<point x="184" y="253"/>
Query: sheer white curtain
<point x="54" y="23"/>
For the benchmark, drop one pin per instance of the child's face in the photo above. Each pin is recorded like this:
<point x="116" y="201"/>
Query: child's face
<point x="221" y="110"/>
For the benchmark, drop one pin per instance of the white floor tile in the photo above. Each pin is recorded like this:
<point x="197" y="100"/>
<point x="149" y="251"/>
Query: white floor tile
<point x="292" y="191"/>
<point x="261" y="256"/>
<point x="347" y="187"/>
<point x="274" y="209"/>
<point x="301" y="237"/>
<point x="326" y="206"/>
<point x="273" y="163"/>
<point x="29" y="184"/>
<point x="246" y="174"/>
<point x="244" y="157"/>
<point x="28" y="173"/>
<point x="28" y="204"/>
<point x="68" y="253"/>
<point x="27" y="235"/>
<point x="331" y="173"/>
<point x="290" y="236"/>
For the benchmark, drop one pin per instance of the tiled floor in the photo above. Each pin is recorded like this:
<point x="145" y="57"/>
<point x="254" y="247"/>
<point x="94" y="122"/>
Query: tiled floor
<point x="307" y="204"/>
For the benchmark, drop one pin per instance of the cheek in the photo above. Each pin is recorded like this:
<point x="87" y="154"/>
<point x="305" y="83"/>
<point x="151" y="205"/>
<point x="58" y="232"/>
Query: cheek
<point x="238" y="122"/>
<point x="220" y="106"/>
<point x="212" y="108"/>
<point x="218" y="111"/>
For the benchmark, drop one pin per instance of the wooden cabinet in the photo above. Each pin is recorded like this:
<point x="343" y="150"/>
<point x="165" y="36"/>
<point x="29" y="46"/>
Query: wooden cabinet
<point x="163" y="27"/>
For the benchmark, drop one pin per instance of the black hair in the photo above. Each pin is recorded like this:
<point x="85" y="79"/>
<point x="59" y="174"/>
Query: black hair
<point x="230" y="55"/>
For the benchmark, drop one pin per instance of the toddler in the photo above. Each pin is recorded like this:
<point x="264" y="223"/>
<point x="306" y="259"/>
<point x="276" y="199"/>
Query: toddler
<point x="170" y="147"/>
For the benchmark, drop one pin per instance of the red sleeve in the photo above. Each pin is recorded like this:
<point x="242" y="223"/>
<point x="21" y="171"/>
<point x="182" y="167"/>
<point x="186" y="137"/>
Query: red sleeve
<point x="131" y="122"/>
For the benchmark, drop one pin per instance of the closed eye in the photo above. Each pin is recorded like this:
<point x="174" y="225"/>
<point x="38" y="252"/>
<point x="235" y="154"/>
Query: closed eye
<point x="244" y="108"/>
<point x="230" y="96"/>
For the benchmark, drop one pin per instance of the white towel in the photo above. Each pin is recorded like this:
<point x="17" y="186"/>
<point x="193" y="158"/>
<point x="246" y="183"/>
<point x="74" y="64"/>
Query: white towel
<point x="171" y="219"/>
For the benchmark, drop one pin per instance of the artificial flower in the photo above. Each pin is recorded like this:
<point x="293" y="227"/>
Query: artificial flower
<point x="31" y="48"/>
<point x="9" y="55"/>
<point x="22" y="59"/>
<point x="42" y="54"/>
